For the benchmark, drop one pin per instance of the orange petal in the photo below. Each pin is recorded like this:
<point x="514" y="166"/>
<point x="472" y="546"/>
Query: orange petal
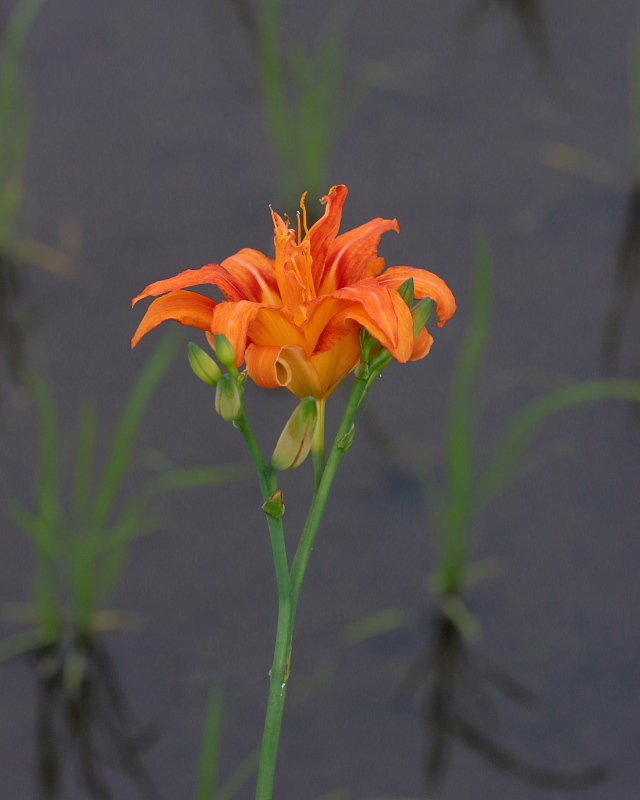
<point x="214" y="274"/>
<point x="333" y="365"/>
<point x="350" y="254"/>
<point x="421" y="345"/>
<point x="254" y="273"/>
<point x="233" y="319"/>
<point x="188" y="308"/>
<point x="272" y="366"/>
<point x="382" y="312"/>
<point x="426" y="284"/>
<point x="272" y="326"/>
<point x="326" y="229"/>
<point x="320" y="314"/>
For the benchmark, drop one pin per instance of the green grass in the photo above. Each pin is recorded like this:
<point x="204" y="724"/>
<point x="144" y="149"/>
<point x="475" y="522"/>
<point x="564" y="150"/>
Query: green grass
<point x="305" y="99"/>
<point x="80" y="553"/>
<point x="473" y="478"/>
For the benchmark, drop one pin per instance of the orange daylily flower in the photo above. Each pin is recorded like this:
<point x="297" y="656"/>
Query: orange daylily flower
<point x="295" y="320"/>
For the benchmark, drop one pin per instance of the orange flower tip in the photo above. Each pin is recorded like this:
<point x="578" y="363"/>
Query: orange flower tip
<point x="295" y="440"/>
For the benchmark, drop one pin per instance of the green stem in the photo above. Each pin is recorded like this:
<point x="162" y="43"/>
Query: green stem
<point x="282" y="653"/>
<point x="299" y="567"/>
<point x="289" y="583"/>
<point x="318" y="446"/>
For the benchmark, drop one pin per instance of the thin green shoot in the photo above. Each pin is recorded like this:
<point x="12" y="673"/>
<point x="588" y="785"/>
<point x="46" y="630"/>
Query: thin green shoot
<point x="207" y="785"/>
<point x="79" y="556"/>
<point x="304" y="98"/>
<point x="634" y="69"/>
<point x="472" y="481"/>
<point x="463" y="422"/>
<point x="210" y="749"/>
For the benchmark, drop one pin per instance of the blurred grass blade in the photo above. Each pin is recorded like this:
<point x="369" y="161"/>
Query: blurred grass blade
<point x="390" y="619"/>
<point x="15" y="115"/>
<point x="635" y="99"/>
<point x="517" y="434"/>
<point x="273" y="83"/>
<point x="176" y="479"/>
<point x="11" y="53"/>
<point x="210" y="749"/>
<point x="48" y="501"/>
<point x="21" y="643"/>
<point x="86" y="448"/>
<point x="119" y="458"/>
<point x="463" y="416"/>
<point x="239" y="777"/>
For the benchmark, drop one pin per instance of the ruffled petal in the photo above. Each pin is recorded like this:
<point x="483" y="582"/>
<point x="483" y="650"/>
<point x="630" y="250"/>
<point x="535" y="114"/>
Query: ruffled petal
<point x="325" y="230"/>
<point x="233" y="319"/>
<point x="334" y="364"/>
<point x="188" y="308"/>
<point x="350" y="254"/>
<point x="272" y="366"/>
<point x="254" y="274"/>
<point x="426" y="284"/>
<point x="421" y="345"/>
<point x="382" y="312"/>
<point x="214" y="274"/>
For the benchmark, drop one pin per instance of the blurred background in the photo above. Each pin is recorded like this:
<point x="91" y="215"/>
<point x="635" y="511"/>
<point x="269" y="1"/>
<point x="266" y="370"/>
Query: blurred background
<point x="151" y="138"/>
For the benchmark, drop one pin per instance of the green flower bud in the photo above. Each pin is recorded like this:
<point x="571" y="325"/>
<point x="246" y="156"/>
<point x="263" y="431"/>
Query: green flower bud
<point x="203" y="365"/>
<point x="295" y="440"/>
<point x="406" y="291"/>
<point x="225" y="351"/>
<point x="228" y="400"/>
<point x="421" y="313"/>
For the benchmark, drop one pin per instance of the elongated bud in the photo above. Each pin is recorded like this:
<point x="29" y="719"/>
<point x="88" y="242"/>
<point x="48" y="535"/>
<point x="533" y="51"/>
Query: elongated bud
<point x="228" y="401"/>
<point x="421" y="313"/>
<point x="203" y="365"/>
<point x="406" y="291"/>
<point x="295" y="440"/>
<point x="225" y="351"/>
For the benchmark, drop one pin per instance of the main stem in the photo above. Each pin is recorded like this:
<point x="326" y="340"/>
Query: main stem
<point x="290" y="583"/>
<point x="279" y="673"/>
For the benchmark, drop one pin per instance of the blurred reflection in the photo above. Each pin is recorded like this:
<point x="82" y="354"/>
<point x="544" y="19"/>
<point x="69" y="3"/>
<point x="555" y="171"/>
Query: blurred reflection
<point x="17" y="317"/>
<point x="454" y="683"/>
<point x="83" y="716"/>
<point x="531" y="19"/>
<point x="626" y="283"/>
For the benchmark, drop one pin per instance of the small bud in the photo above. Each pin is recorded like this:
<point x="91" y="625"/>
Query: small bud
<point x="228" y="401"/>
<point x="295" y="440"/>
<point x="406" y="291"/>
<point x="362" y="371"/>
<point x="421" y="313"/>
<point x="225" y="351"/>
<point x="347" y="440"/>
<point x="203" y="365"/>
<point x="274" y="506"/>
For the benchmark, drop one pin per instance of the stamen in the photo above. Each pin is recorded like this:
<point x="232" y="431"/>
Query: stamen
<point x="303" y="206"/>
